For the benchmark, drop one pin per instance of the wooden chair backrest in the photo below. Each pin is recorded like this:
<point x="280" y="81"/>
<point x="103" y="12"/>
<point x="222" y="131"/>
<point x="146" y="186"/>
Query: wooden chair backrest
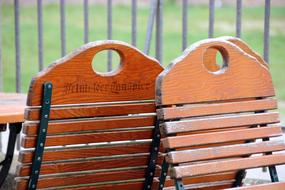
<point x="100" y="126"/>
<point x="211" y="116"/>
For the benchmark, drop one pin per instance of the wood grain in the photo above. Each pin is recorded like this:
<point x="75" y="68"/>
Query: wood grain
<point x="75" y="82"/>
<point x="90" y="125"/>
<point x="96" y="122"/>
<point x="175" y="157"/>
<point x="216" y="108"/>
<point x="86" y="111"/>
<point x="115" y="186"/>
<point x="87" y="151"/>
<point x="227" y="165"/>
<point x="202" y="112"/>
<point x="245" y="47"/>
<point x="139" y="185"/>
<point x="270" y="186"/>
<point x="203" y="178"/>
<point x="241" y="79"/>
<point x="219" y="137"/>
<point x="219" y="122"/>
<point x="84" y="165"/>
<point x="58" y="181"/>
<point x="210" y="54"/>
<point x="60" y="140"/>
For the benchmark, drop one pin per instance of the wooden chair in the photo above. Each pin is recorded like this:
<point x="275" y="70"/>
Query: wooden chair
<point x="86" y="130"/>
<point x="216" y="121"/>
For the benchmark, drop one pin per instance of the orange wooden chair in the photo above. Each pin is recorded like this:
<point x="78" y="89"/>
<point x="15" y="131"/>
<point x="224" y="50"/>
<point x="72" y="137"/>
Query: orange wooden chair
<point x="86" y="130"/>
<point x="216" y="122"/>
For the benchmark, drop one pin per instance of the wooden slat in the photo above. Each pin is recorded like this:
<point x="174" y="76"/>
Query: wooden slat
<point x="89" y="125"/>
<point x="227" y="165"/>
<point x="88" y="151"/>
<point x="205" y="178"/>
<point x="209" y="185"/>
<point x="219" y="122"/>
<point x="269" y="186"/>
<point x="118" y="186"/>
<point x="83" y="165"/>
<point x="60" y="140"/>
<point x="92" y="111"/>
<point x="224" y="151"/>
<point x="219" y="137"/>
<point x="215" y="187"/>
<point x="216" y="108"/>
<point x="168" y="183"/>
<point x="57" y="181"/>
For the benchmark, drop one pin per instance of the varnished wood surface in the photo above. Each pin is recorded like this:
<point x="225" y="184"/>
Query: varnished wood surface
<point x="216" y="108"/>
<point x="212" y="115"/>
<point x="85" y="178"/>
<point x="100" y="125"/>
<point x="245" y="47"/>
<point x="240" y="79"/>
<point x="61" y="140"/>
<point x="75" y="82"/>
<point x="76" y="166"/>
<point x="219" y="122"/>
<point x="227" y="165"/>
<point x="168" y="183"/>
<point x="12" y="107"/>
<point x="91" y="125"/>
<point x="270" y="186"/>
<point x="220" y="137"/>
<point x="175" y="157"/>
<point x="62" y="154"/>
<point x="81" y="111"/>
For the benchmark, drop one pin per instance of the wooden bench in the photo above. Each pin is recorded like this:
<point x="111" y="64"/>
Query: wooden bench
<point x="86" y="130"/>
<point x="216" y="122"/>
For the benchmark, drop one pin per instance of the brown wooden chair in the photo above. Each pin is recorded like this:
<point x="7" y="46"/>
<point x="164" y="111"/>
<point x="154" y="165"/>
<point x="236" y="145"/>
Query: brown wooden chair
<point x="86" y="130"/>
<point x="216" y="121"/>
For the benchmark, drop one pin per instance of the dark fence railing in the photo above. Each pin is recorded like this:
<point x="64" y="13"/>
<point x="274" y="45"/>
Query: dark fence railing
<point x="155" y="19"/>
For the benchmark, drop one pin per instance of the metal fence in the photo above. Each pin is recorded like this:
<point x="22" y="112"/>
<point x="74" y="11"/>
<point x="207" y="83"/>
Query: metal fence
<point x="155" y="20"/>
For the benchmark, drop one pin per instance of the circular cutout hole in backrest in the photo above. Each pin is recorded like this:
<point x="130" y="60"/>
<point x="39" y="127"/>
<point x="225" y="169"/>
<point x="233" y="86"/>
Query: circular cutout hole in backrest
<point x="101" y="60"/>
<point x="215" y="59"/>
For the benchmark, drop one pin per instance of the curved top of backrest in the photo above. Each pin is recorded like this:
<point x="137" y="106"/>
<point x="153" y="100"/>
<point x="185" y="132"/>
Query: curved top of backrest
<point x="74" y="80"/>
<point x="187" y="79"/>
<point x="245" y="47"/>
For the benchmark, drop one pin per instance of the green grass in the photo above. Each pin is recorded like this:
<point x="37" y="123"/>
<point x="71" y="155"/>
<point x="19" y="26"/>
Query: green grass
<point x="252" y="33"/>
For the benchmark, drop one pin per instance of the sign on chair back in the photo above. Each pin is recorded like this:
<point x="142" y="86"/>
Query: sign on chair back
<point x="88" y="130"/>
<point x="216" y="121"/>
